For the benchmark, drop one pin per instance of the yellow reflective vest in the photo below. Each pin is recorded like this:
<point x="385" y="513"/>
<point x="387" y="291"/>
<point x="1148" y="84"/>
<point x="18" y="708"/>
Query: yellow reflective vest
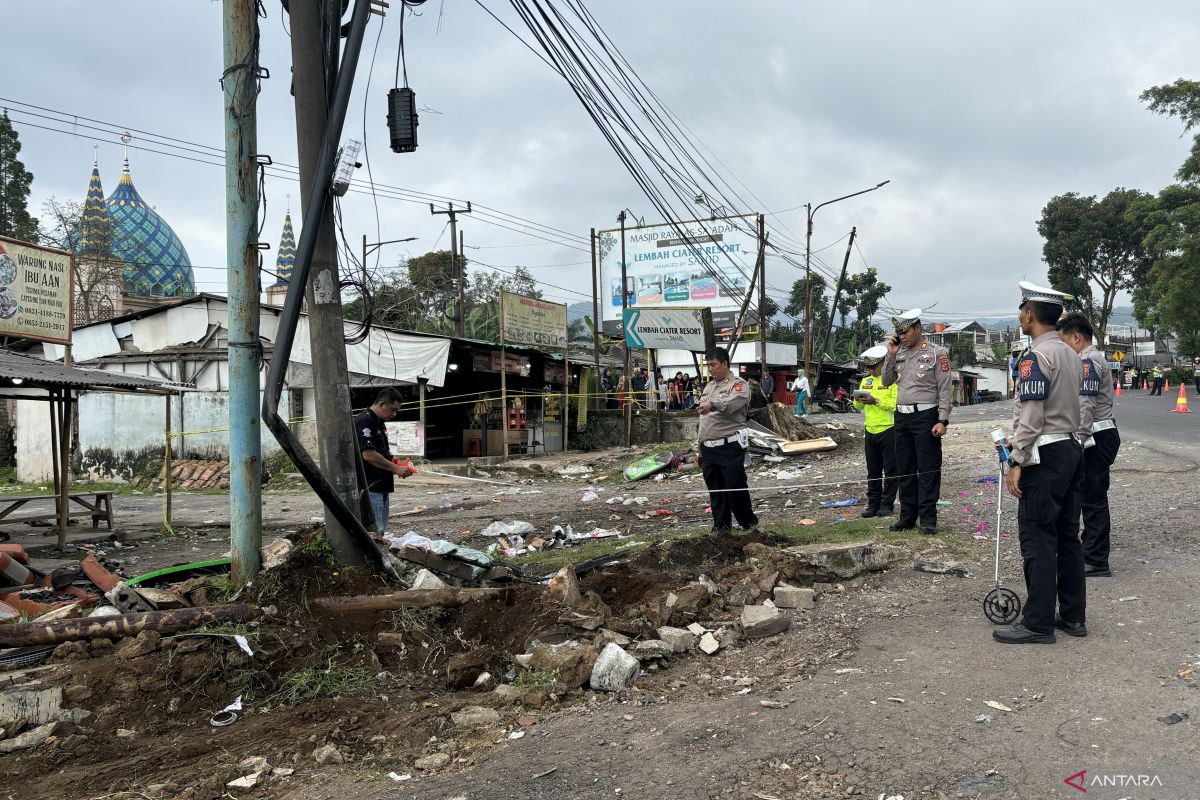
<point x="882" y="415"/>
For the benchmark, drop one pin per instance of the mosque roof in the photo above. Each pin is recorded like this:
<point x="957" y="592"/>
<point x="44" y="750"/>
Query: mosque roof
<point x="286" y="258"/>
<point x="93" y="230"/>
<point x="156" y="262"/>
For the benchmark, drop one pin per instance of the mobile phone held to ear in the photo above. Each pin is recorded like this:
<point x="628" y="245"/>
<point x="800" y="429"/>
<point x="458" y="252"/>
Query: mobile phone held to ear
<point x="895" y="340"/>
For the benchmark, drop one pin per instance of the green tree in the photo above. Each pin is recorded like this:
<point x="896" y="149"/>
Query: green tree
<point x="821" y="309"/>
<point x="15" y="180"/>
<point x="962" y="351"/>
<point x="1181" y="100"/>
<point x="1095" y="248"/>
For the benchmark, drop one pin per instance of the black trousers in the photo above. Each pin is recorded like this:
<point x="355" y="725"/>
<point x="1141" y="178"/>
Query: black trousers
<point x="724" y="467"/>
<point x="1097" y="460"/>
<point x="1158" y="386"/>
<point x="1048" y="513"/>
<point x="881" y="461"/>
<point x="919" y="462"/>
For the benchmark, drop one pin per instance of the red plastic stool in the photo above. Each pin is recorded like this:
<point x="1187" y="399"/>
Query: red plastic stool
<point x="473" y="447"/>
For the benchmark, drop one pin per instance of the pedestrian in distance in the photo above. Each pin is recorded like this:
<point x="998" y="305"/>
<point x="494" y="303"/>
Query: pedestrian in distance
<point x="768" y="385"/>
<point x="922" y="373"/>
<point x="1156" y="376"/>
<point x="1100" y="439"/>
<point x="377" y="455"/>
<point x="1045" y="471"/>
<point x="800" y="387"/>
<point x="878" y="405"/>
<point x="1196" y="373"/>
<point x="724" y="444"/>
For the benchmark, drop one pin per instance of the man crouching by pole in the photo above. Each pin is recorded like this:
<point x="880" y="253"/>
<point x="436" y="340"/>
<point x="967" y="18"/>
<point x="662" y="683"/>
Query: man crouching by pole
<point x="724" y="444"/>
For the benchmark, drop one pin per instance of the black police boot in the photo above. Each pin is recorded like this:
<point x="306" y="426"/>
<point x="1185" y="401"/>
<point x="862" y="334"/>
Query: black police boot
<point x="902" y="525"/>
<point x="1070" y="628"/>
<point x="1093" y="571"/>
<point x="871" y="511"/>
<point x="1019" y="634"/>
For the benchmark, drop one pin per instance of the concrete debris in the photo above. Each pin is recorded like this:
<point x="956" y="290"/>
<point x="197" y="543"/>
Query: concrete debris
<point x="761" y="621"/>
<point x="484" y="682"/>
<point x="678" y="639"/>
<point x="426" y="580"/>
<point x="531" y="696"/>
<point x="253" y="764"/>
<point x="834" y="562"/>
<point x="126" y="733"/>
<point x="432" y="761"/>
<point x="34" y="706"/>
<point x="329" y="754"/>
<point x="709" y="644"/>
<point x="744" y="593"/>
<point x="245" y="782"/>
<point x="614" y="670"/>
<point x="794" y="597"/>
<point x="939" y="568"/>
<point x="28" y="739"/>
<point x="652" y="649"/>
<point x="563" y="589"/>
<point x="475" y="717"/>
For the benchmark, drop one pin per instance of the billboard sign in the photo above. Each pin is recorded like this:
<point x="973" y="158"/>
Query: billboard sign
<point x="533" y="323"/>
<point x="709" y="266"/>
<point x="36" y="292"/>
<point x="669" y="328"/>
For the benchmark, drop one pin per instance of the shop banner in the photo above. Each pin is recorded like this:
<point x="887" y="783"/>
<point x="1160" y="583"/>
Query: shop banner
<point x="35" y="292"/>
<point x="531" y="322"/>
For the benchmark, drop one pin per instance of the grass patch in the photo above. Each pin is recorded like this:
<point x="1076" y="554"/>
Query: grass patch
<point x="562" y="556"/>
<point x="329" y="680"/>
<point x="318" y="548"/>
<point x="857" y="530"/>
<point x="543" y="679"/>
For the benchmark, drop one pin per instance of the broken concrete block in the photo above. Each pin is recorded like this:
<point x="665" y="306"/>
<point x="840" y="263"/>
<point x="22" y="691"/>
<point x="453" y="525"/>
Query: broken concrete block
<point x="475" y="717"/>
<point x="678" y="639"/>
<point x="744" y="593"/>
<point x="728" y="636"/>
<point x="245" y="782"/>
<point x="581" y="620"/>
<point x="35" y="706"/>
<point x="766" y="579"/>
<point x="427" y="581"/>
<point x="834" y="562"/>
<point x="760" y="621"/>
<point x="614" y="670"/>
<point x="432" y="761"/>
<point x="563" y="589"/>
<point x="709" y="644"/>
<point x="485" y="682"/>
<point x="275" y="553"/>
<point x="531" y="696"/>
<point x="28" y="739"/>
<point x="607" y="636"/>
<point x="329" y="754"/>
<point x="696" y="629"/>
<point x="688" y="600"/>
<point x="652" y="649"/>
<point x="709" y="584"/>
<point x="253" y="764"/>
<point x="571" y="661"/>
<point x="794" y="597"/>
<point x="126" y="733"/>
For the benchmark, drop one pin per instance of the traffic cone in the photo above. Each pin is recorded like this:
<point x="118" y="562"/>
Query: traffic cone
<point x="1181" y="403"/>
<point x="1167" y="384"/>
<point x="1118" y="387"/>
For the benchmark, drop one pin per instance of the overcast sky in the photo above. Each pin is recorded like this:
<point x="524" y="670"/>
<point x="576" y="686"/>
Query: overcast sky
<point x="977" y="112"/>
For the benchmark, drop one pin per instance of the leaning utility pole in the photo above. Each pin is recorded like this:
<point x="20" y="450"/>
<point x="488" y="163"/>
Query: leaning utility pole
<point x="315" y="28"/>
<point x="762" y="299"/>
<point x="458" y="268"/>
<point x="240" y="83"/>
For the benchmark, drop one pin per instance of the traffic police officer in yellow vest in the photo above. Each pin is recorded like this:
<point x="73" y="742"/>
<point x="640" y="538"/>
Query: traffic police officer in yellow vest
<point x="1045" y="470"/>
<point x="724" y="444"/>
<point x="922" y="372"/>
<point x="878" y="405"/>
<point x="1101" y="441"/>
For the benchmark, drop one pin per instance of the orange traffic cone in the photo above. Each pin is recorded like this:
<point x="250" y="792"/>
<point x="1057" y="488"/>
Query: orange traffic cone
<point x="1181" y="403"/>
<point x="1167" y="384"/>
<point x="1118" y="387"/>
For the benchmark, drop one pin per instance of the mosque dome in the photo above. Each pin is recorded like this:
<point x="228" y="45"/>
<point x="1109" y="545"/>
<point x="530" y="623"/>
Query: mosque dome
<point x="156" y="264"/>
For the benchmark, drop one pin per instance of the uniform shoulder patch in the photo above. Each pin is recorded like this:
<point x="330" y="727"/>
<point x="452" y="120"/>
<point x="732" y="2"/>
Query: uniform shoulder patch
<point x="1032" y="384"/>
<point x="944" y="362"/>
<point x="737" y="387"/>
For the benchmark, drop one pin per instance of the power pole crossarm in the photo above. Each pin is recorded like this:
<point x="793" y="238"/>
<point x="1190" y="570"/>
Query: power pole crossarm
<point x="457" y="262"/>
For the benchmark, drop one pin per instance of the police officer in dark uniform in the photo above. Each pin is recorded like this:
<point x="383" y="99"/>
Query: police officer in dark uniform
<point x="922" y="372"/>
<point x="1045" y="471"/>
<point x="724" y="444"/>
<point x="1101" y="441"/>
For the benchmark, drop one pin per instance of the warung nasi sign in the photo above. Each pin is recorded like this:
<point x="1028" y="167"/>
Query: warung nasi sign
<point x="35" y="292"/>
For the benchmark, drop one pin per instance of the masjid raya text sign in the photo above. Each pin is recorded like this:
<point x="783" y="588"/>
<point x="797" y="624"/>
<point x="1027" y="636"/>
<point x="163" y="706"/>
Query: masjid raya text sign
<point x="35" y="292"/>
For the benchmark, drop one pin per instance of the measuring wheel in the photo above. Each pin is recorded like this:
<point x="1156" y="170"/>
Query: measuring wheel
<point x="1002" y="606"/>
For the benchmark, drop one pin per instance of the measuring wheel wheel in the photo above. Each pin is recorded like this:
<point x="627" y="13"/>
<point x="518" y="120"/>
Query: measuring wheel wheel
<point x="1002" y="606"/>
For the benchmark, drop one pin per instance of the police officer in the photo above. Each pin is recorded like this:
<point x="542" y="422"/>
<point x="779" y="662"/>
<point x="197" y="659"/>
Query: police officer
<point x="1101" y="441"/>
<point x="724" y="443"/>
<point x="922" y="372"/>
<point x="1045" y="470"/>
<point x="878" y="405"/>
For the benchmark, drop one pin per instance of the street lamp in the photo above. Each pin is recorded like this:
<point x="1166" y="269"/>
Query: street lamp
<point x="371" y="248"/>
<point x="812" y="212"/>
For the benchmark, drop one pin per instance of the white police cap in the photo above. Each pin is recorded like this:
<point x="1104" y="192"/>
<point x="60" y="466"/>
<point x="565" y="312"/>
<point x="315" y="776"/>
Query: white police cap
<point x="903" y="322"/>
<point x="1040" y="294"/>
<point x="872" y="356"/>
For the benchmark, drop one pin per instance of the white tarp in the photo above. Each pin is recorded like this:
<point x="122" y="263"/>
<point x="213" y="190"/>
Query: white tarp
<point x="394" y="357"/>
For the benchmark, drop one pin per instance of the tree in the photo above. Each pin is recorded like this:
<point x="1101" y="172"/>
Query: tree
<point x="1094" y="249"/>
<point x="1180" y="99"/>
<point x="820" y="307"/>
<point x="98" y="273"/>
<point x="865" y="293"/>
<point x="15" y="221"/>
<point x="962" y="351"/>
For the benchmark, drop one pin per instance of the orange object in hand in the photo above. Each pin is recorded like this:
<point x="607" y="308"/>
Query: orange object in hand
<point x="404" y="462"/>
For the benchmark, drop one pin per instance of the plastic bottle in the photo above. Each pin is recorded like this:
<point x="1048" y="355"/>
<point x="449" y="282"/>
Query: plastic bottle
<point x="1000" y="440"/>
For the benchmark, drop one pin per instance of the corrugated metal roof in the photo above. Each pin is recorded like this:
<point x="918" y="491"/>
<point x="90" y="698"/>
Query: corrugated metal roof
<point x="39" y="372"/>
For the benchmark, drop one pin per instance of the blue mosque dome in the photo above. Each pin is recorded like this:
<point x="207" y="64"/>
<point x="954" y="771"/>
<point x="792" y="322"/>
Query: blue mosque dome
<point x="156" y="264"/>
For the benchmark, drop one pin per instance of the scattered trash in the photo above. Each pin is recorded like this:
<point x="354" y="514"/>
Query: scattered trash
<point x="516" y="734"/>
<point x="938" y="568"/>
<point x="399" y="778"/>
<point x="849" y="501"/>
<point x="807" y="522"/>
<point x="514" y="528"/>
<point x="984" y="718"/>
<point x="1127" y="599"/>
<point x="1173" y="718"/>
<point x="997" y="706"/>
<point x="228" y="715"/>
<point x="897" y="700"/>
<point x="943" y="502"/>
<point x="589" y="497"/>
<point x="550" y="771"/>
<point x="846" y="671"/>
<point x="774" y="703"/>
<point x="988" y="479"/>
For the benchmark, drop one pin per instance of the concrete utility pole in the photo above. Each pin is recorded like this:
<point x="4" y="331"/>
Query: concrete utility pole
<point x="599" y="400"/>
<point x="837" y="296"/>
<point x="315" y="25"/>
<point x="762" y="298"/>
<point x="459" y="268"/>
<point x="624" y="305"/>
<point x="240" y="83"/>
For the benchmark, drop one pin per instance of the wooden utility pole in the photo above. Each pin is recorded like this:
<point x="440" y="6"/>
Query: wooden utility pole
<point x="315" y="27"/>
<point x="837" y="295"/>
<point x="762" y="299"/>
<point x="458" y="268"/>
<point x="625" y="342"/>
